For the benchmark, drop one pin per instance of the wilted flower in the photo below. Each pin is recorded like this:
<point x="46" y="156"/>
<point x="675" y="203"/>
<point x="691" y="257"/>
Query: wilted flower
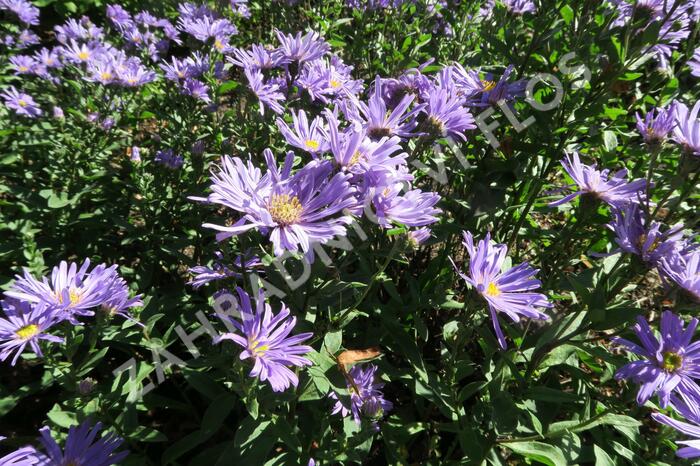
<point x="615" y="190"/>
<point x="86" y="386"/>
<point x="418" y="236"/>
<point x="670" y="363"/>
<point x="219" y="271"/>
<point x="510" y="291"/>
<point x="81" y="447"/>
<point x="24" y="325"/>
<point x="265" y="338"/>
<point x="366" y="397"/>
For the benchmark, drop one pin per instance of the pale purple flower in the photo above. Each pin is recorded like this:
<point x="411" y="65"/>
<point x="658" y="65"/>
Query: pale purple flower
<point x="257" y="58"/>
<point x="614" y="189"/>
<point x="268" y="94"/>
<point x="119" y="17"/>
<point x="27" y="38"/>
<point x="648" y="242"/>
<point x="196" y="89"/>
<point x="684" y="269"/>
<point x="670" y="364"/>
<point x="23" y="64"/>
<point x="446" y="114"/>
<point x="82" y="448"/>
<point x="74" y="291"/>
<point x="220" y="271"/>
<point x="657" y="124"/>
<point x="691" y="412"/>
<point x="414" y="208"/>
<point x="80" y="53"/>
<point x="379" y="121"/>
<point x="366" y="397"/>
<point x="21" y="103"/>
<point x="300" y="48"/>
<point x="687" y="129"/>
<point x="418" y="236"/>
<point x="48" y="57"/>
<point x="296" y="210"/>
<point x="694" y="63"/>
<point x="308" y="137"/>
<point x="326" y="81"/>
<point x="510" y="292"/>
<point x="24" y="325"/>
<point x="265" y="337"/>
<point x="25" y="11"/>
<point x="134" y="74"/>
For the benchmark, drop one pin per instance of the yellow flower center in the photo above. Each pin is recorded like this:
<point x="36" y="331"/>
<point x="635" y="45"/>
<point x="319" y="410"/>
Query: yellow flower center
<point x="258" y="349"/>
<point x="73" y="294"/>
<point x="492" y="290"/>
<point x="334" y="83"/>
<point x="285" y="209"/>
<point x="311" y="144"/>
<point x="487" y="85"/>
<point x="27" y="332"/>
<point x="83" y="55"/>
<point x="672" y="361"/>
<point x="356" y="157"/>
<point x="218" y="44"/>
<point x="131" y="80"/>
<point x="22" y="102"/>
<point x="106" y="75"/>
<point x="23" y="68"/>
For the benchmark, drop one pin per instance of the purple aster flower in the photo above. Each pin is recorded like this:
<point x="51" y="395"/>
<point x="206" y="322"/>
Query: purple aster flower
<point x="134" y="153"/>
<point x="135" y="74"/>
<point x="169" y="159"/>
<point x="25" y="456"/>
<point x="196" y="89"/>
<point x="326" y="81"/>
<point x="57" y="112"/>
<point x="23" y="64"/>
<point x="615" y="190"/>
<point x="366" y="397"/>
<point x="687" y="129"/>
<point x="21" y="103"/>
<point x="118" y="300"/>
<point x="207" y="27"/>
<point x="82" y="448"/>
<point x="266" y="338"/>
<point x="649" y="243"/>
<point x="101" y="72"/>
<point x="684" y="269"/>
<point x="267" y="94"/>
<point x="411" y="82"/>
<point x="510" y="291"/>
<point x="300" y="48"/>
<point x="177" y="69"/>
<point x="516" y="7"/>
<point x="297" y="210"/>
<point x="694" y="63"/>
<point x="669" y="365"/>
<point x="24" y="325"/>
<point x="689" y="410"/>
<point x="305" y="136"/>
<point x="27" y="38"/>
<point x="414" y="208"/>
<point x="446" y="115"/>
<point x="119" y="17"/>
<point x="219" y="270"/>
<point x="657" y="124"/>
<point x="80" y="53"/>
<point x="257" y="58"/>
<point x="418" y="236"/>
<point x="375" y="163"/>
<point x="379" y="121"/>
<point x="501" y="90"/>
<point x="25" y="11"/>
<point x="48" y="58"/>
<point x="73" y="290"/>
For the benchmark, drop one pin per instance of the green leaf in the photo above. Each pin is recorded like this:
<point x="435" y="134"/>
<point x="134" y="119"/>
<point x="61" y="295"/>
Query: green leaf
<point x="538" y="451"/>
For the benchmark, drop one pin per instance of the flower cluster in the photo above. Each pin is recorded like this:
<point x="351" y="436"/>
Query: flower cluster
<point x="33" y="306"/>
